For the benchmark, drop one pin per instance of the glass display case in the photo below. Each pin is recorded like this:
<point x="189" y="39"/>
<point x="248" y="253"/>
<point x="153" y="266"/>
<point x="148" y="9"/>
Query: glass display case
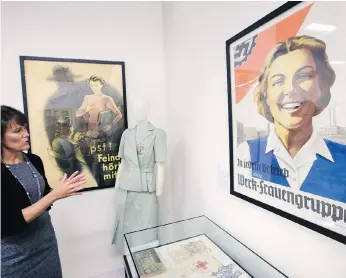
<point x="195" y="248"/>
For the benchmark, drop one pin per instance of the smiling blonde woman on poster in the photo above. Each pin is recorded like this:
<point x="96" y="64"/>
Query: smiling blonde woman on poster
<point x="294" y="86"/>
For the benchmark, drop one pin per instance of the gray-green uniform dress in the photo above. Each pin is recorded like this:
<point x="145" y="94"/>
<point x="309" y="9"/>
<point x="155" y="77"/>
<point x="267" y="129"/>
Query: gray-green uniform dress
<point x="136" y="201"/>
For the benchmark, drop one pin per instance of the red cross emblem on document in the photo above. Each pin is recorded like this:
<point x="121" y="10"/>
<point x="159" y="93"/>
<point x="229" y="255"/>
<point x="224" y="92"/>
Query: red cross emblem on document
<point x="202" y="265"/>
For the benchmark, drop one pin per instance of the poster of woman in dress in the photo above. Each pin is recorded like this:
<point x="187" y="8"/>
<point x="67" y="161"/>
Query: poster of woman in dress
<point x="77" y="114"/>
<point x="289" y="123"/>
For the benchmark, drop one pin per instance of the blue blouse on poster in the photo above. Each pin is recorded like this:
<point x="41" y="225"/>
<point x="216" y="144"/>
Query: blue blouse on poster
<point x="326" y="178"/>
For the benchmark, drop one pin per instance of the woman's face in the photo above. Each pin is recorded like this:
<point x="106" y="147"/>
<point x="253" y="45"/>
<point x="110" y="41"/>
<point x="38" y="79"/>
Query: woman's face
<point x="292" y="91"/>
<point x="16" y="137"/>
<point x="95" y="86"/>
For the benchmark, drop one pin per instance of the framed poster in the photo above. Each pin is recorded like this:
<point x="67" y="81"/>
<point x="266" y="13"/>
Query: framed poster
<point x="287" y="119"/>
<point x="77" y="114"/>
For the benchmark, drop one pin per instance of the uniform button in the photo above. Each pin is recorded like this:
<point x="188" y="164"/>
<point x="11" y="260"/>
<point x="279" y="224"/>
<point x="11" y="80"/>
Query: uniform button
<point x="27" y="193"/>
<point x="137" y="169"/>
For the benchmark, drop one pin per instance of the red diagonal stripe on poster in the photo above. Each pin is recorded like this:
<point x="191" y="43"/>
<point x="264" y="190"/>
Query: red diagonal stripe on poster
<point x="247" y="74"/>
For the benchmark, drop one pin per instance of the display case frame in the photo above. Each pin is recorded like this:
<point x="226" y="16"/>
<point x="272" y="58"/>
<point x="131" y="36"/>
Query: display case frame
<point x="190" y="230"/>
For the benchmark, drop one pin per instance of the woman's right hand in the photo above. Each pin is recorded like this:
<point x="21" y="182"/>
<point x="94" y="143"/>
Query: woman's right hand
<point x="69" y="186"/>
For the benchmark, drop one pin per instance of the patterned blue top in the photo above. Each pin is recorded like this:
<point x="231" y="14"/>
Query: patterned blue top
<point x="34" y="252"/>
<point x="25" y="177"/>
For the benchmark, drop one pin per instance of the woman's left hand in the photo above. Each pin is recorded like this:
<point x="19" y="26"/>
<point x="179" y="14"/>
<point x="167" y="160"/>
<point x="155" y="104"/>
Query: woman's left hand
<point x="107" y="127"/>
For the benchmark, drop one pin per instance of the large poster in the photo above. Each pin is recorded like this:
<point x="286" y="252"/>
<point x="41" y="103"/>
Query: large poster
<point x="77" y="114"/>
<point x="287" y="117"/>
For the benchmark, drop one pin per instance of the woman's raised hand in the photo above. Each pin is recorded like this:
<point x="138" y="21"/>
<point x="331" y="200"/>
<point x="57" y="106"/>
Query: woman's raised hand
<point x="69" y="186"/>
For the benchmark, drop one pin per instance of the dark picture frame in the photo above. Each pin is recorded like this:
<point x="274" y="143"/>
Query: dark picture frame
<point x="67" y="82"/>
<point x="287" y="7"/>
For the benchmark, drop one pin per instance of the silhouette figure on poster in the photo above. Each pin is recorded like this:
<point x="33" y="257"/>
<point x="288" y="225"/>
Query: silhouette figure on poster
<point x="81" y="116"/>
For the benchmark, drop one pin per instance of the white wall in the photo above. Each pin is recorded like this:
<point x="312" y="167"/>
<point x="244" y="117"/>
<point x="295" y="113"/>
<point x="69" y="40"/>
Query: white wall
<point x="195" y="35"/>
<point x="116" y="31"/>
<point x="195" y="95"/>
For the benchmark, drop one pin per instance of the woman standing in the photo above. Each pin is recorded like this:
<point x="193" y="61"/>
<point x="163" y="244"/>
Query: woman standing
<point x="28" y="242"/>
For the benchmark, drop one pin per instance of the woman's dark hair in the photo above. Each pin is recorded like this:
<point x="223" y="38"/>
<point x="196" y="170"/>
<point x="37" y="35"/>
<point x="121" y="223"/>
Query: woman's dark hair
<point x="9" y="114"/>
<point x="95" y="78"/>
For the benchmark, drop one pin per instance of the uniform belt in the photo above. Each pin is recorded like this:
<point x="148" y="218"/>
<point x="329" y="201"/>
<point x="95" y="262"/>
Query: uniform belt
<point x="146" y="170"/>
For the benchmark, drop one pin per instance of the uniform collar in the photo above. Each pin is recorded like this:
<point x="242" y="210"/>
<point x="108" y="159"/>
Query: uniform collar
<point x="315" y="145"/>
<point x="150" y="127"/>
